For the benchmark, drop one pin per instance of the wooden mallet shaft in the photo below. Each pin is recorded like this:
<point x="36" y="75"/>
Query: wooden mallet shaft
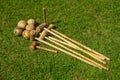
<point x="46" y="49"/>
<point x="44" y="15"/>
<point x="75" y="52"/>
<point x="80" y="44"/>
<point x="89" y="53"/>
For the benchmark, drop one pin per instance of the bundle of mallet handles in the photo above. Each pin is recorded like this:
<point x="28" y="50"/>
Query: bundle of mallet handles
<point x="62" y="42"/>
<point x="65" y="44"/>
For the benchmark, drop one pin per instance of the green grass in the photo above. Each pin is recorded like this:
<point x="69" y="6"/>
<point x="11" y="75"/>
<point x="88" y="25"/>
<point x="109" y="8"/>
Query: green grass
<point x="95" y="23"/>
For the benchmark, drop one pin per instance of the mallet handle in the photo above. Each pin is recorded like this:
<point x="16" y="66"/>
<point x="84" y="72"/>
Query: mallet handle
<point x="80" y="44"/>
<point x="44" y="15"/>
<point x="46" y="49"/>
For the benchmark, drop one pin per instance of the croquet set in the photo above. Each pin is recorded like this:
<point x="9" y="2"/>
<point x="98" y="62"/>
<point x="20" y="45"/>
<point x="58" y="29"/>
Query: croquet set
<point x="58" y="41"/>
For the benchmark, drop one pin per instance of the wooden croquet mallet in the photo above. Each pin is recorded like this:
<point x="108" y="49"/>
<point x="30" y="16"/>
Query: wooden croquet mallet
<point x="43" y="34"/>
<point x="34" y="46"/>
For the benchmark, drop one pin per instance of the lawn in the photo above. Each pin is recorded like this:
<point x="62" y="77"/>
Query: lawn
<point x="95" y="23"/>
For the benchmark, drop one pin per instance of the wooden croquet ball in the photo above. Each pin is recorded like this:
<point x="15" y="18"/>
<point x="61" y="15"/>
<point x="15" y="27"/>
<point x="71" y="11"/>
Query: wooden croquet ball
<point x="30" y="27"/>
<point x="26" y="34"/>
<point x="18" y="31"/>
<point x="31" y="22"/>
<point x="21" y="24"/>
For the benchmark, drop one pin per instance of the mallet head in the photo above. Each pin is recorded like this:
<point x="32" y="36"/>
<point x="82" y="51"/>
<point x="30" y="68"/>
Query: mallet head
<point x="44" y="33"/>
<point x="32" y="35"/>
<point x="33" y="46"/>
<point x="40" y="28"/>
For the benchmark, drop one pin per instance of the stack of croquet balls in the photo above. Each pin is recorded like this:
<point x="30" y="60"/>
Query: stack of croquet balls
<point x="23" y="28"/>
<point x="28" y="30"/>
